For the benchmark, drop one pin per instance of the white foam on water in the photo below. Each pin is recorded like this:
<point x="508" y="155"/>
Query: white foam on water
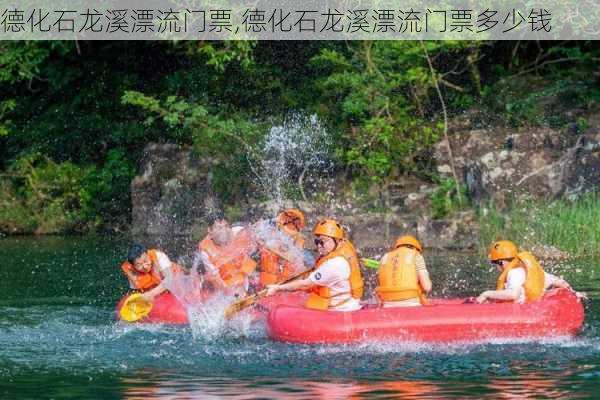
<point x="459" y="347"/>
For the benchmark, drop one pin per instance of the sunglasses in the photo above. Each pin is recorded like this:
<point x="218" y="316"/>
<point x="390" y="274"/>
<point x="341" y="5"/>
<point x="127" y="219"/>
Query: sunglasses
<point x="497" y="262"/>
<point x="319" y="242"/>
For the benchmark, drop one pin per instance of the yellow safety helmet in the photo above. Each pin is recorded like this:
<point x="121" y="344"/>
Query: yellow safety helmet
<point x="291" y="216"/>
<point x="503" y="250"/>
<point x="329" y="227"/>
<point x="408" y="240"/>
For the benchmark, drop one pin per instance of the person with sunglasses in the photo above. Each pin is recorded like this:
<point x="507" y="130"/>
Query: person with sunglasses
<point x="336" y="283"/>
<point x="274" y="268"/>
<point x="402" y="275"/>
<point x="522" y="279"/>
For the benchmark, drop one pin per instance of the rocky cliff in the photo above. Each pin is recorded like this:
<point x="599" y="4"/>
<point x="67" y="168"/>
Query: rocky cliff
<point x="173" y="193"/>
<point x="541" y="162"/>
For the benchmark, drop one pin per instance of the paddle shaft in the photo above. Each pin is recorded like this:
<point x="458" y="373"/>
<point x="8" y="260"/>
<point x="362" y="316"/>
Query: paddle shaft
<point x="250" y="300"/>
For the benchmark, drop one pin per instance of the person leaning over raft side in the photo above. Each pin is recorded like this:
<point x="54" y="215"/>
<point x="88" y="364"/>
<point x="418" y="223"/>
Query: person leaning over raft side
<point x="336" y="283"/>
<point x="522" y="278"/>
<point x="226" y="253"/>
<point x="146" y="269"/>
<point x="403" y="276"/>
<point x="274" y="268"/>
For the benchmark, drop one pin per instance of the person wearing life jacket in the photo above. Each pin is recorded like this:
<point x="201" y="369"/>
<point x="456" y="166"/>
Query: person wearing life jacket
<point x="336" y="282"/>
<point x="275" y="268"/>
<point x="522" y="279"/>
<point x="226" y="254"/>
<point x="402" y="275"/>
<point x="146" y="270"/>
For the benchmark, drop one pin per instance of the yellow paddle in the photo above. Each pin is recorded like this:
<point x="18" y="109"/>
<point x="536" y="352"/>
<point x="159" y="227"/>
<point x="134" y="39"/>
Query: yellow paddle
<point x="246" y="302"/>
<point x="135" y="308"/>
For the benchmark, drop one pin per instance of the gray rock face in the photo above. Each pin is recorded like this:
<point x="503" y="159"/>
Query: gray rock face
<point x="578" y="171"/>
<point x="172" y="194"/>
<point x="460" y="231"/>
<point x="539" y="162"/>
<point x="377" y="232"/>
<point x="544" y="172"/>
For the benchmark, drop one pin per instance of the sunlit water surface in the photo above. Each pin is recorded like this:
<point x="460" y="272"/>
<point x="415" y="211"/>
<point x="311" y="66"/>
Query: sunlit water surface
<point x="59" y="339"/>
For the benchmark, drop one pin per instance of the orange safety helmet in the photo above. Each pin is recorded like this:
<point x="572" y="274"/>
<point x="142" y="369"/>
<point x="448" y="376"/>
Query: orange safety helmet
<point x="503" y="250"/>
<point x="408" y="240"/>
<point x="329" y="227"/>
<point x="291" y="216"/>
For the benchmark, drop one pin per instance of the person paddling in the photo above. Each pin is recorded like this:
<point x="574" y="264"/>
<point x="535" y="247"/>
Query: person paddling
<point x="336" y="283"/>
<point x="403" y="277"/>
<point x="226" y="253"/>
<point x="522" y="279"/>
<point x="146" y="270"/>
<point x="274" y="268"/>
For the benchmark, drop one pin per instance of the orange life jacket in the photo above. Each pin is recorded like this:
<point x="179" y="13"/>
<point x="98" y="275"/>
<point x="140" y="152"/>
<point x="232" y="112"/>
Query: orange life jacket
<point x="233" y="260"/>
<point x="398" y="278"/>
<point x="274" y="268"/>
<point x="143" y="281"/>
<point x="534" y="283"/>
<point x="320" y="296"/>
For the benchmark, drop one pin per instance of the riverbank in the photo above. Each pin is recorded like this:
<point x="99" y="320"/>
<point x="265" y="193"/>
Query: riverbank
<point x="570" y="226"/>
<point x="553" y="230"/>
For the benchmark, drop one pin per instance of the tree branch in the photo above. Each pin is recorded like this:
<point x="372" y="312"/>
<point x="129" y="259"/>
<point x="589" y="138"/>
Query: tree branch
<point x="451" y="85"/>
<point x="556" y="61"/>
<point x="445" y="113"/>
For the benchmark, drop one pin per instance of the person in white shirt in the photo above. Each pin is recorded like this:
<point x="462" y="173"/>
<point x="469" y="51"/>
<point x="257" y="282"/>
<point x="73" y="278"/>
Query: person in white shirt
<point x="522" y="279"/>
<point x="336" y="282"/>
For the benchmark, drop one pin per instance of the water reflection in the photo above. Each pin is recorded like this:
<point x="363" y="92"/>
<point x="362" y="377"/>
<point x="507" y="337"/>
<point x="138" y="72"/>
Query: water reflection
<point x="163" y="386"/>
<point x="530" y="385"/>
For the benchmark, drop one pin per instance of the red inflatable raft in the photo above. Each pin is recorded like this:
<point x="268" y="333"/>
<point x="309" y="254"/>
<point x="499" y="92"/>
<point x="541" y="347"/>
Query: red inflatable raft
<point x="559" y="313"/>
<point x="167" y="309"/>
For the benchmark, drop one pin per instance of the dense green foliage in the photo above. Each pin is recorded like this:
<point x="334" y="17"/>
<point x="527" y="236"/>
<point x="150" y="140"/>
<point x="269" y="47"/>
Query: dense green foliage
<point x="444" y="200"/>
<point x="570" y="226"/>
<point x="77" y="115"/>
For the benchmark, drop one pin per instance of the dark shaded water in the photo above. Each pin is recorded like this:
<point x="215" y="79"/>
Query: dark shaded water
<point x="58" y="339"/>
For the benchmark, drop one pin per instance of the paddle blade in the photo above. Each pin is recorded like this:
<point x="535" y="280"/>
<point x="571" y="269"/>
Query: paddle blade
<point x="239" y="306"/>
<point x="135" y="308"/>
<point x="246" y="302"/>
<point x="370" y="263"/>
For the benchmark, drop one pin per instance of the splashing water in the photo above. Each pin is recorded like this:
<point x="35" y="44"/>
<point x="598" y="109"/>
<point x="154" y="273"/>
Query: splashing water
<point x="206" y="312"/>
<point x="289" y="155"/>
<point x="270" y="237"/>
<point x="291" y="152"/>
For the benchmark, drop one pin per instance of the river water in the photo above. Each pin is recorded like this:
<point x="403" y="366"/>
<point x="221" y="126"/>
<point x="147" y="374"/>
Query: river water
<point x="59" y="340"/>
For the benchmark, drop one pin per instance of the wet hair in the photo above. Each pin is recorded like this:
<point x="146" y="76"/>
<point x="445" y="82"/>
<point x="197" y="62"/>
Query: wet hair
<point x="135" y="252"/>
<point x="214" y="216"/>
